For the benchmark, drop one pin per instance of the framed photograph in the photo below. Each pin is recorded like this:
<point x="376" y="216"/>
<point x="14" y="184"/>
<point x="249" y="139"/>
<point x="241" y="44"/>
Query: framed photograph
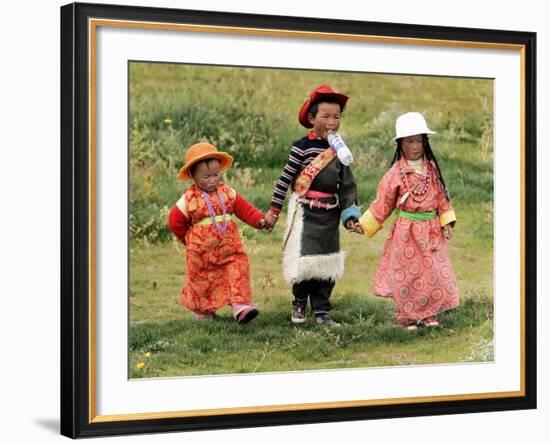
<point x="145" y="92"/>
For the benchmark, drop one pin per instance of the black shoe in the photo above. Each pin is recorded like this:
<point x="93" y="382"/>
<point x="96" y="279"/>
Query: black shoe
<point x="248" y="315"/>
<point x="325" y="319"/>
<point x="298" y="314"/>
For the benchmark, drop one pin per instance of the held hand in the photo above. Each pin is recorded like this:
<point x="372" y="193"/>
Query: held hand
<point x="447" y="231"/>
<point x="270" y="220"/>
<point x="353" y="226"/>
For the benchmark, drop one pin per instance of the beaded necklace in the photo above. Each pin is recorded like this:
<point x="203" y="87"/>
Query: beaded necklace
<point x="418" y="194"/>
<point x="213" y="213"/>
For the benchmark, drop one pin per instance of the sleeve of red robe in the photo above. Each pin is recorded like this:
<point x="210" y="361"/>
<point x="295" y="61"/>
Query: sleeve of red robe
<point x="247" y="212"/>
<point x="178" y="223"/>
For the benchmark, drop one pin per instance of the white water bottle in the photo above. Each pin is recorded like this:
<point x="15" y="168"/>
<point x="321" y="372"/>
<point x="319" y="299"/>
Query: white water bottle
<point x="342" y="151"/>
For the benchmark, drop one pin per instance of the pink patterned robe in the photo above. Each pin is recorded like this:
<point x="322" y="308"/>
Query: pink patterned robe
<point x="414" y="270"/>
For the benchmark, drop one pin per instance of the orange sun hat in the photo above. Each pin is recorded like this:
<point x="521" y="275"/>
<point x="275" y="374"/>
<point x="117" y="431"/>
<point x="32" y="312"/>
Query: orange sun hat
<point x="323" y="92"/>
<point x="203" y="151"/>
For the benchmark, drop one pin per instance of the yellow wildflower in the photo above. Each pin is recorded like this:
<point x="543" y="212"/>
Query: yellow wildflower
<point x="168" y="120"/>
<point x="140" y="365"/>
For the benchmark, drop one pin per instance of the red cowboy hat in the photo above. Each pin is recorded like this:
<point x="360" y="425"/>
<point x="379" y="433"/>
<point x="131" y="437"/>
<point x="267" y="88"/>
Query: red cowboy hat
<point x="323" y="92"/>
<point x="202" y="151"/>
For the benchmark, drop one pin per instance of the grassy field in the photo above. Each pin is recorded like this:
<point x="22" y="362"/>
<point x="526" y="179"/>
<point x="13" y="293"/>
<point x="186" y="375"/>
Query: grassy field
<point x="173" y="107"/>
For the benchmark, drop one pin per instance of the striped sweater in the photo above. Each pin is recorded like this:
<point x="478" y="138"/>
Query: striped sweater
<point x="302" y="153"/>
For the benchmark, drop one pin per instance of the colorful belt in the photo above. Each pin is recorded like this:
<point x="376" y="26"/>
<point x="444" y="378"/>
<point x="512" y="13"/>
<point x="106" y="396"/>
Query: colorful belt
<point x="315" y="194"/>
<point x="207" y="221"/>
<point x="317" y="204"/>
<point x="418" y="216"/>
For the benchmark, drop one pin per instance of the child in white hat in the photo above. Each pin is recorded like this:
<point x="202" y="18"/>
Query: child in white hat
<point x="414" y="270"/>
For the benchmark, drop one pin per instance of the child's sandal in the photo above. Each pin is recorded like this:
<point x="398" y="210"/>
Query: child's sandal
<point x="244" y="313"/>
<point x="431" y="321"/>
<point x="202" y="316"/>
<point x="410" y="326"/>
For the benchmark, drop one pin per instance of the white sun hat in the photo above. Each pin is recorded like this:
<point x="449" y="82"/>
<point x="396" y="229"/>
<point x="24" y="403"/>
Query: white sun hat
<point x="411" y="123"/>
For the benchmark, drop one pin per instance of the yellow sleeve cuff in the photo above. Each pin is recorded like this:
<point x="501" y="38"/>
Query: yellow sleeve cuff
<point x="447" y="218"/>
<point x="369" y="224"/>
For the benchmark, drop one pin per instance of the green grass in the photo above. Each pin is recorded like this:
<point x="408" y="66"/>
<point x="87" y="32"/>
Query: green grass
<point x="252" y="113"/>
<point x="184" y="347"/>
<point x="177" y="345"/>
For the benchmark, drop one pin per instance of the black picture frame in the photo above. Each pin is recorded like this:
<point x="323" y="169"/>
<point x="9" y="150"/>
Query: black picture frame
<point x="77" y="403"/>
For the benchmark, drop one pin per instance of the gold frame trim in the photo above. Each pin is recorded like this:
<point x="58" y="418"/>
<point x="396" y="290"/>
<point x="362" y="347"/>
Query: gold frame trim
<point x="92" y="221"/>
<point x="299" y="407"/>
<point x="522" y="325"/>
<point x="298" y="34"/>
<point x="93" y="24"/>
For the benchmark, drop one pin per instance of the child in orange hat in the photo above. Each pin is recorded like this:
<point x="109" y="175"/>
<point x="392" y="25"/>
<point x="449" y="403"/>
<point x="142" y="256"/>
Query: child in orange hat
<point x="218" y="271"/>
<point x="324" y="193"/>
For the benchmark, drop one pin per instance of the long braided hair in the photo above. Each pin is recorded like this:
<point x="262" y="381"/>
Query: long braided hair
<point x="430" y="156"/>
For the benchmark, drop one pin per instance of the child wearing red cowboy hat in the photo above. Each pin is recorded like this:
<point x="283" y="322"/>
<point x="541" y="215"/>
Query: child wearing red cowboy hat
<point x="217" y="266"/>
<point x="324" y="192"/>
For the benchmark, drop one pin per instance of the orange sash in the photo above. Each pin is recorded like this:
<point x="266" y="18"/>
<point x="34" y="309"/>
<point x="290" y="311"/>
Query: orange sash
<point x="306" y="177"/>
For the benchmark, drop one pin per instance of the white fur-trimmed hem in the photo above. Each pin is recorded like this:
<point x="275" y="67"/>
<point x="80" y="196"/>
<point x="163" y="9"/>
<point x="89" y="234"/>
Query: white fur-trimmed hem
<point x="298" y="268"/>
<point x="302" y="268"/>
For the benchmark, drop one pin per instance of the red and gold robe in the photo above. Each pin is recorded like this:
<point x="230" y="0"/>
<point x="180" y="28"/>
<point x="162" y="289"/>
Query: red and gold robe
<point x="217" y="266"/>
